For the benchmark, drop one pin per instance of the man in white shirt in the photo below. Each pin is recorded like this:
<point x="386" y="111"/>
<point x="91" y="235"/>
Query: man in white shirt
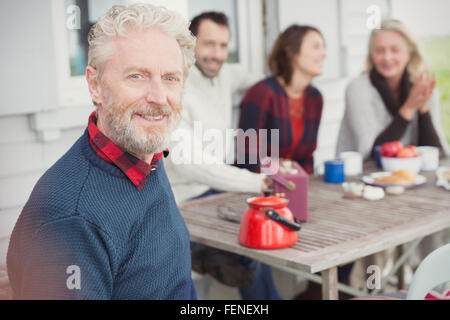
<point x="207" y="103"/>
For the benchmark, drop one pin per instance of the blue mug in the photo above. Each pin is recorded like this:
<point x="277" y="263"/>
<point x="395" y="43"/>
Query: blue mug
<point x="334" y="171"/>
<point x="378" y="156"/>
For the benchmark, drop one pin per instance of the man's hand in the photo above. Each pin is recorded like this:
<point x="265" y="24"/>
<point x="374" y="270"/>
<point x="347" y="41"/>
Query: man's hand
<point x="267" y="183"/>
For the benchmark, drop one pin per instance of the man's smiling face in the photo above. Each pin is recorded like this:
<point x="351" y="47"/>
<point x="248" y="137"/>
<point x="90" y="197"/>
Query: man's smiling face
<point x="211" y="50"/>
<point x="140" y="91"/>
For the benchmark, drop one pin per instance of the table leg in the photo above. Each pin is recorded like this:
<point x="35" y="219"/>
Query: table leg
<point x="330" y="284"/>
<point x="401" y="249"/>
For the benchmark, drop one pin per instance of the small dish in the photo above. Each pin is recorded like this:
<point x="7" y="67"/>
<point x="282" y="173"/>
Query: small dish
<point x="370" y="180"/>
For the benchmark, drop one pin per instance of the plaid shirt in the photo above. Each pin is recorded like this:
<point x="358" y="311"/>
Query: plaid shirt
<point x="266" y="106"/>
<point x="135" y="169"/>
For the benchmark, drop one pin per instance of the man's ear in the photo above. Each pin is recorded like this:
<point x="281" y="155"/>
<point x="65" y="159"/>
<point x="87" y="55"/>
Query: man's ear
<point x="93" y="84"/>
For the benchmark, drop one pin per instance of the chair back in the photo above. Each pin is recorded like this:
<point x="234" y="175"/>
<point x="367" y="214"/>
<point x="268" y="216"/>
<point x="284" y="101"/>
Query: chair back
<point x="432" y="271"/>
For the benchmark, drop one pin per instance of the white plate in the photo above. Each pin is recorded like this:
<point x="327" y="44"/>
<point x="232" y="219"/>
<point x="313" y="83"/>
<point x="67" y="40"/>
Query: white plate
<point x="370" y="180"/>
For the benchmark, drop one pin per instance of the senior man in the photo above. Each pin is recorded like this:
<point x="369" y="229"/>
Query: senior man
<point x="102" y="222"/>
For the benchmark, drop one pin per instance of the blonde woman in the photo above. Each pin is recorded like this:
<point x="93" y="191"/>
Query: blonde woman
<point x="394" y="99"/>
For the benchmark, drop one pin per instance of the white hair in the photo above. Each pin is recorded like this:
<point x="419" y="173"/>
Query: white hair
<point x="138" y="16"/>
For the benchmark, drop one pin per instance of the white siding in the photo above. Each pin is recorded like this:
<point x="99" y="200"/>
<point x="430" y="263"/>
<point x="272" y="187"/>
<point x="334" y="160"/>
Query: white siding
<point x="355" y="32"/>
<point x="322" y="14"/>
<point x="20" y="125"/>
<point x="8" y="218"/>
<point x="3" y="249"/>
<point x="333" y="111"/>
<point x="27" y="64"/>
<point x="423" y="18"/>
<point x="23" y="160"/>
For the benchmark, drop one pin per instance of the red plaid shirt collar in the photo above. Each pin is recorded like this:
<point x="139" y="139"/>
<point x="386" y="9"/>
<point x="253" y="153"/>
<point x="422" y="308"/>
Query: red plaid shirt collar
<point x="135" y="169"/>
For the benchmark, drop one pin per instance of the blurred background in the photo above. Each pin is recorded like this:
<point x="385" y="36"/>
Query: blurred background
<point x="44" y="101"/>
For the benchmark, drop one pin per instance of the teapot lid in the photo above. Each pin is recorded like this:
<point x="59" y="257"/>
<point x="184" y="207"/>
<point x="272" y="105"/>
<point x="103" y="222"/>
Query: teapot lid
<point x="268" y="201"/>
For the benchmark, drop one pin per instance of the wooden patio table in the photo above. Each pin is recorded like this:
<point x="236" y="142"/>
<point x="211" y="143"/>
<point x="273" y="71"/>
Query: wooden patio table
<point x="338" y="230"/>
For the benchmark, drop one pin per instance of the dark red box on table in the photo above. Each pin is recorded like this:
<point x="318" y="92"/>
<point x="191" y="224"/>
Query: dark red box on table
<point x="295" y="189"/>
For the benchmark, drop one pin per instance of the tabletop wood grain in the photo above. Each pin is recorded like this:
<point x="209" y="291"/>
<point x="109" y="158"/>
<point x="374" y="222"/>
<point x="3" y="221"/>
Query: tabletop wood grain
<point x="338" y="230"/>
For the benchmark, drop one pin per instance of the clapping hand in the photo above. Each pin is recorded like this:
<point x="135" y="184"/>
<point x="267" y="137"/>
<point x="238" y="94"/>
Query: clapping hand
<point x="419" y="95"/>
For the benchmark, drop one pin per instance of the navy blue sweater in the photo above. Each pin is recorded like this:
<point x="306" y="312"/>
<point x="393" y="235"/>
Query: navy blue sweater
<point x="86" y="232"/>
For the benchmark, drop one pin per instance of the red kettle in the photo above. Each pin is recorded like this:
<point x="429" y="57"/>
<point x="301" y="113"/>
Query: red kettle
<point x="268" y="224"/>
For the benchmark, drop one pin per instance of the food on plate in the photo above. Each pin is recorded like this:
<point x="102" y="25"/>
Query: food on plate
<point x="390" y="149"/>
<point x="408" y="152"/>
<point x="400" y="177"/>
<point x="404" y="174"/>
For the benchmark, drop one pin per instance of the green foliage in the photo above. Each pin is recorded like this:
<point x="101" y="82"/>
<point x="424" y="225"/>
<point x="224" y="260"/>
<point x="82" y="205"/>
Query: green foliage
<point x="437" y="51"/>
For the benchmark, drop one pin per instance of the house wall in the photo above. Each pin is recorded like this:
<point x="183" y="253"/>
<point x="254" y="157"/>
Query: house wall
<point x="423" y="18"/>
<point x="323" y="15"/>
<point x="28" y="76"/>
<point x="23" y="161"/>
<point x="27" y="82"/>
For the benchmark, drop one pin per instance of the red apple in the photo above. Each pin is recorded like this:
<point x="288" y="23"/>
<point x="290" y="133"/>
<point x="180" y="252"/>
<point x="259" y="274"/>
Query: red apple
<point x="408" y="152"/>
<point x="390" y="149"/>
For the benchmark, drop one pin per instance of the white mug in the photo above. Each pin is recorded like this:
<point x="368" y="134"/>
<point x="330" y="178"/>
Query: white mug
<point x="430" y="157"/>
<point x="353" y="163"/>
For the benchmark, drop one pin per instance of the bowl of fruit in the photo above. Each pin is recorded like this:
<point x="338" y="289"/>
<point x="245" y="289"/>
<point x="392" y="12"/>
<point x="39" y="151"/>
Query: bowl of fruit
<point x="395" y="157"/>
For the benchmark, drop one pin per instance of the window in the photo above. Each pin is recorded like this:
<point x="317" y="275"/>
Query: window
<point x="72" y="20"/>
<point x="77" y="38"/>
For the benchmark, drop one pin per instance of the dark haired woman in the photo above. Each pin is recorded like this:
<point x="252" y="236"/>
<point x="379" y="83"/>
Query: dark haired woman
<point x="287" y="101"/>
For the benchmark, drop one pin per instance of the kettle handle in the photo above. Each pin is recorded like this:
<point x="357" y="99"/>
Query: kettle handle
<point x="274" y="215"/>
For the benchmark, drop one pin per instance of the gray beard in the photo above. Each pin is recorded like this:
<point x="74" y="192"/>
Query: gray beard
<point x="134" y="140"/>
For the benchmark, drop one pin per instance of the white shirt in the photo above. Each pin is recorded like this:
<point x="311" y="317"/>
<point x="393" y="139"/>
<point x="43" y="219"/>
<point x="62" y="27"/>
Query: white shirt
<point x="208" y="103"/>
